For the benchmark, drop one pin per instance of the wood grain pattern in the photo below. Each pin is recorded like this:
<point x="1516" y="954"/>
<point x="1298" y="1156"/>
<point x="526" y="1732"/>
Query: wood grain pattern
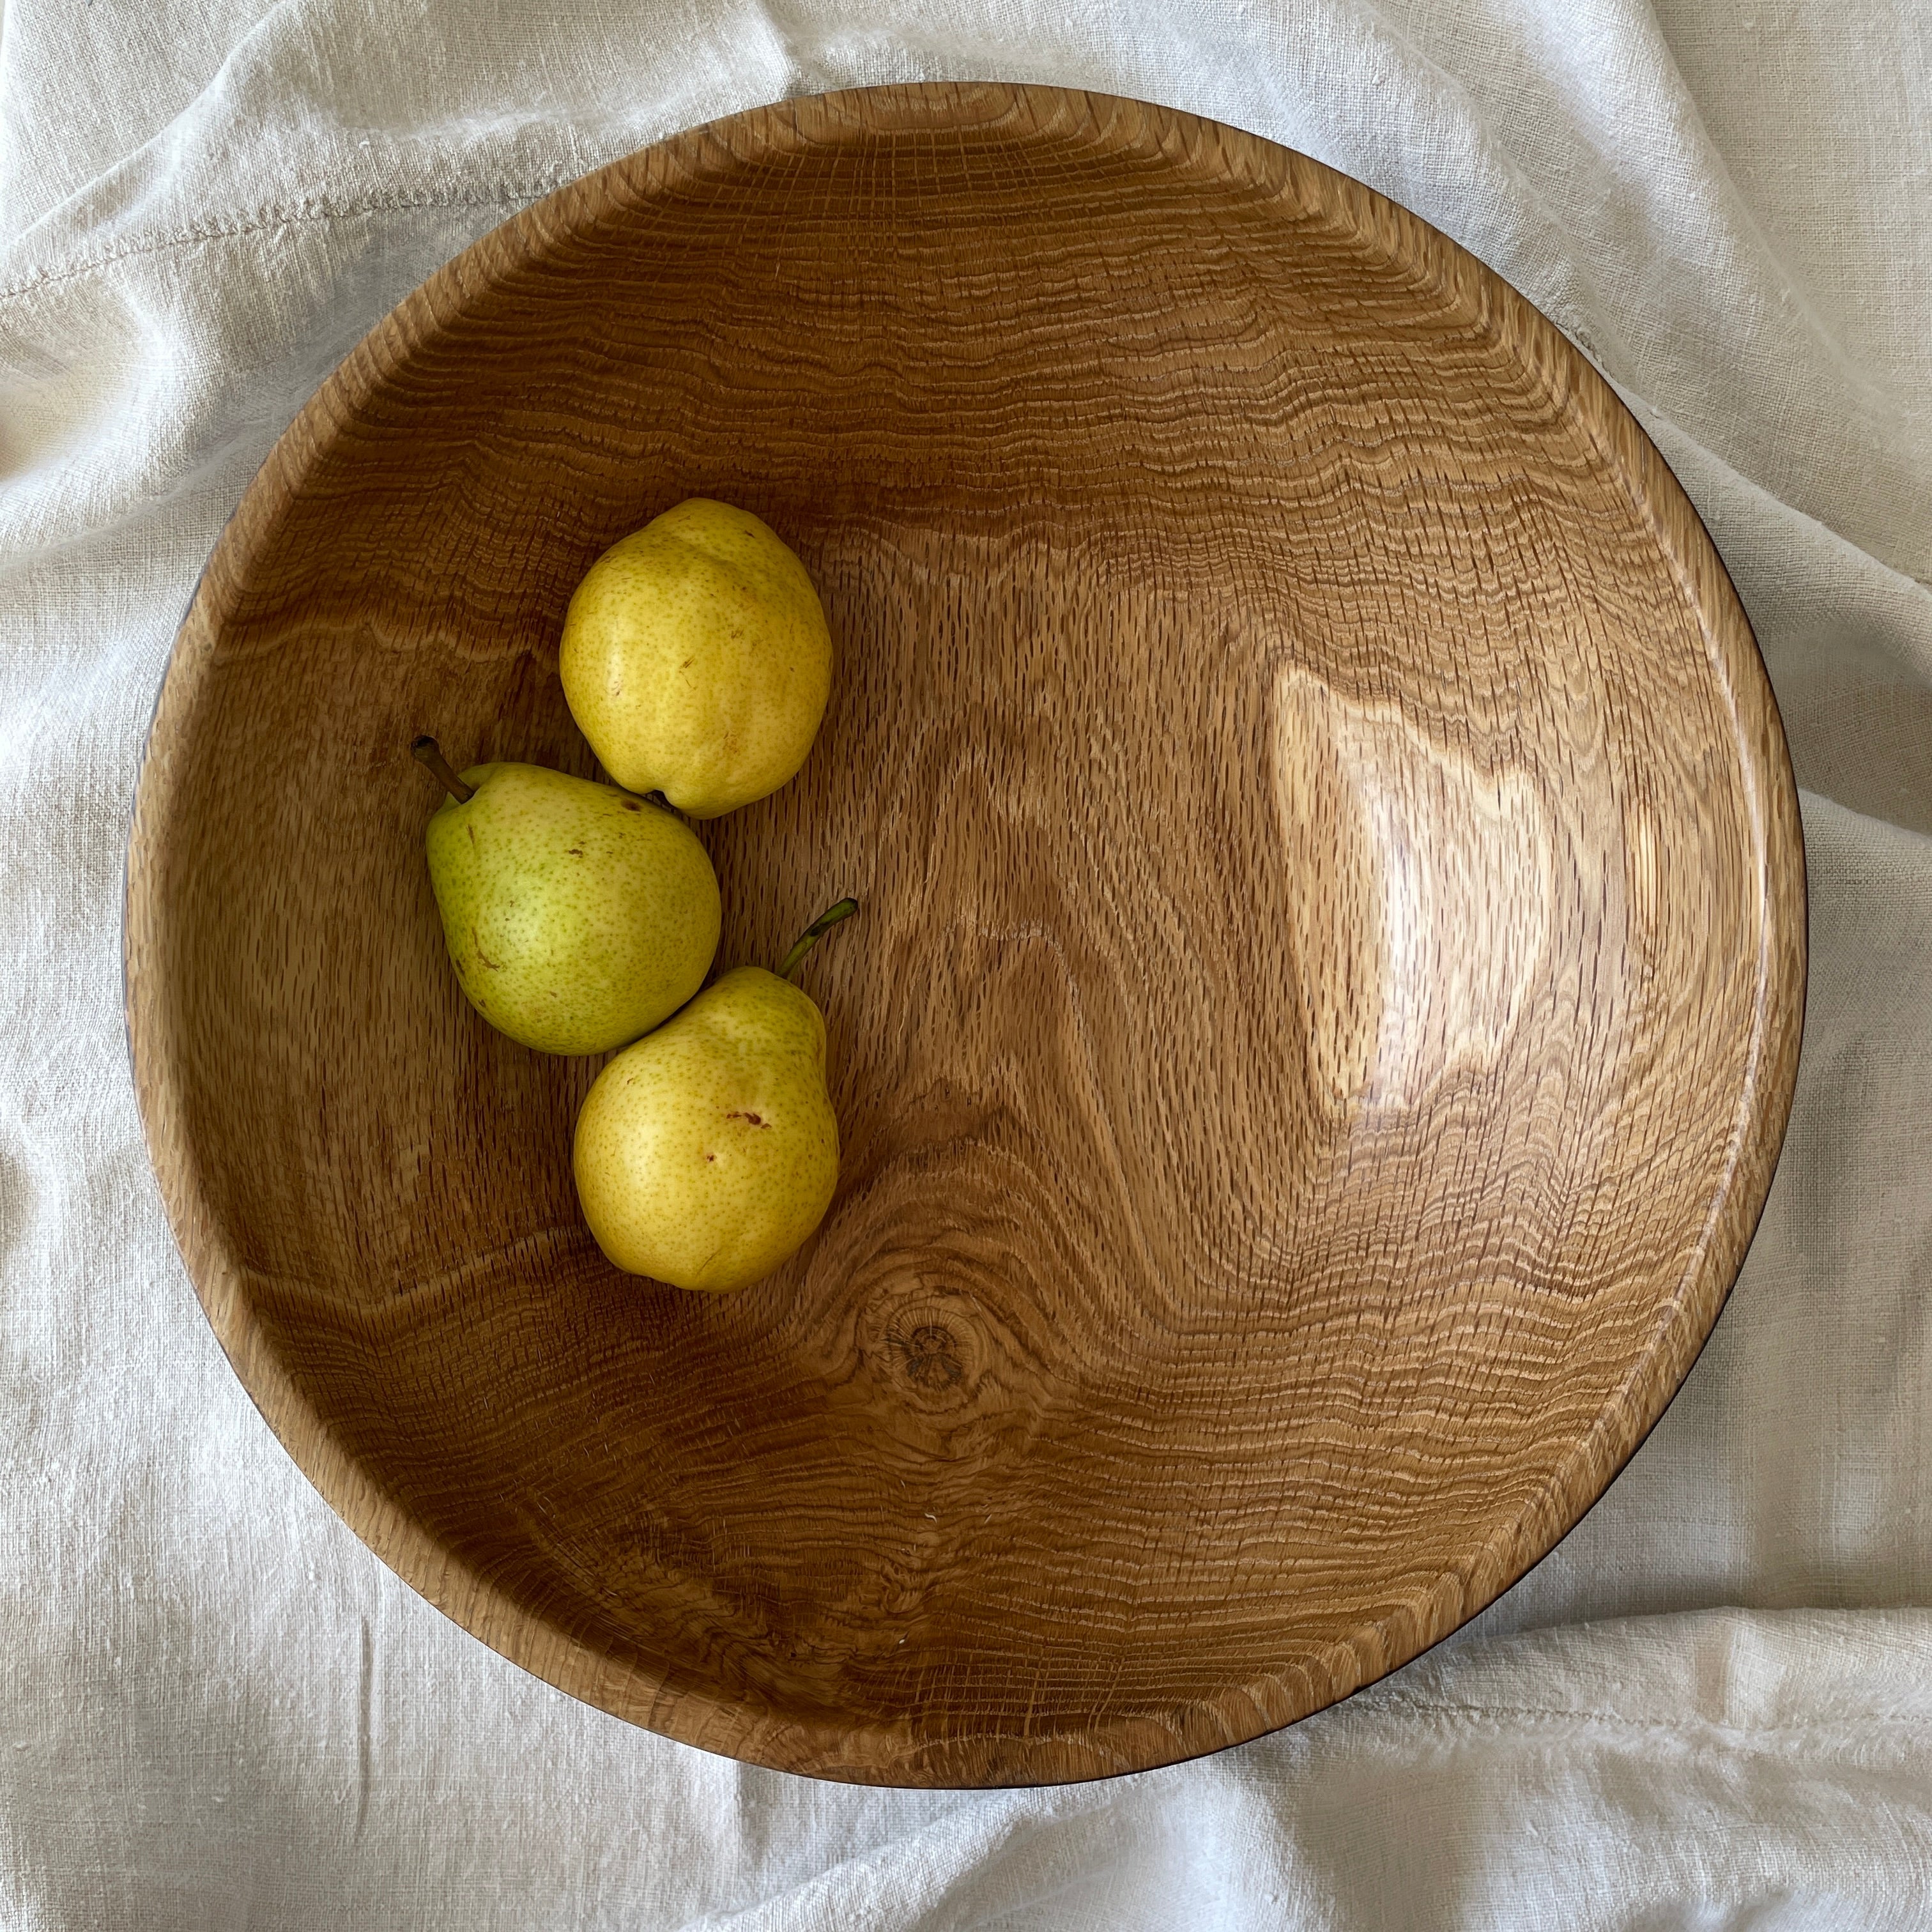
<point x="1326" y="1007"/>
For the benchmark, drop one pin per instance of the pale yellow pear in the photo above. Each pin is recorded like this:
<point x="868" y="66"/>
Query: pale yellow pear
<point x="696" y="659"/>
<point x="707" y="1153"/>
<point x="576" y="916"/>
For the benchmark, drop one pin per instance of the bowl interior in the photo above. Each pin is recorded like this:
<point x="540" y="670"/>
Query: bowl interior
<point x="1323" y="1013"/>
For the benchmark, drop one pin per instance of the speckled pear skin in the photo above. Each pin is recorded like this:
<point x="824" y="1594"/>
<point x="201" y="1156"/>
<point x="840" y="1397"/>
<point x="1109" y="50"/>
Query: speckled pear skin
<point x="708" y="1152"/>
<point x="696" y="659"/>
<point x="578" y="917"/>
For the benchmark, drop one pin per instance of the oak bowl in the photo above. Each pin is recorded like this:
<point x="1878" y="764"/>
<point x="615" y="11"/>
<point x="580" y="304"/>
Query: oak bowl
<point x="1323" y="1017"/>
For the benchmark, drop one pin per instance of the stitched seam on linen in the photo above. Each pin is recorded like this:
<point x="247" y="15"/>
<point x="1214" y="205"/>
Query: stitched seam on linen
<point x="193" y="238"/>
<point x="1506" y="1713"/>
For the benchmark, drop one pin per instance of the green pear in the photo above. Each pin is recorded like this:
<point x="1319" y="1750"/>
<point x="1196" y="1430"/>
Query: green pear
<point x="578" y="917"/>
<point x="707" y="1153"/>
<point x="696" y="659"/>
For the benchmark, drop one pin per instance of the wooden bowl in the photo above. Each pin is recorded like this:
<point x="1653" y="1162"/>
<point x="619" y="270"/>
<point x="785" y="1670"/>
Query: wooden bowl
<point x="1323" y="1015"/>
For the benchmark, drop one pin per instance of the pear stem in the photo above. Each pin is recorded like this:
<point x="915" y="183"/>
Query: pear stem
<point x="430" y="753"/>
<point x="813" y="933"/>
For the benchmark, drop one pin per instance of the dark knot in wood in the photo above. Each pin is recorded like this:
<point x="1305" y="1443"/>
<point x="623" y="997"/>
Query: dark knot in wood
<point x="932" y="1357"/>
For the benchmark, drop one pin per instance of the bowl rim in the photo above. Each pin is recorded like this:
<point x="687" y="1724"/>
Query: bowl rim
<point x="685" y="1709"/>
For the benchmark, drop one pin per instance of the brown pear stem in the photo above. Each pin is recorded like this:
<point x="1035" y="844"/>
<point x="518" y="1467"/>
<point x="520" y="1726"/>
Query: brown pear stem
<point x="430" y="753"/>
<point x="813" y="933"/>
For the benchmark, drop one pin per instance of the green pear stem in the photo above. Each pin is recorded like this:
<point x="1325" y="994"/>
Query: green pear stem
<point x="813" y="933"/>
<point x="430" y="753"/>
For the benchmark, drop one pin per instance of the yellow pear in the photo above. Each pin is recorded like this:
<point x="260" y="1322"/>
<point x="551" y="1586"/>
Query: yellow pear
<point x="576" y="916"/>
<point x="696" y="658"/>
<point x="706" y="1153"/>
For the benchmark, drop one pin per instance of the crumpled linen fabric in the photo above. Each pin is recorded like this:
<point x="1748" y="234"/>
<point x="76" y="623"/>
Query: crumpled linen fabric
<point x="1711" y="1706"/>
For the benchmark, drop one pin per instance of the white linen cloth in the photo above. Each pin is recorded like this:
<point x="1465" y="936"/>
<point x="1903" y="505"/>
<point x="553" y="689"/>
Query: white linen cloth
<point x="1712" y="1707"/>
